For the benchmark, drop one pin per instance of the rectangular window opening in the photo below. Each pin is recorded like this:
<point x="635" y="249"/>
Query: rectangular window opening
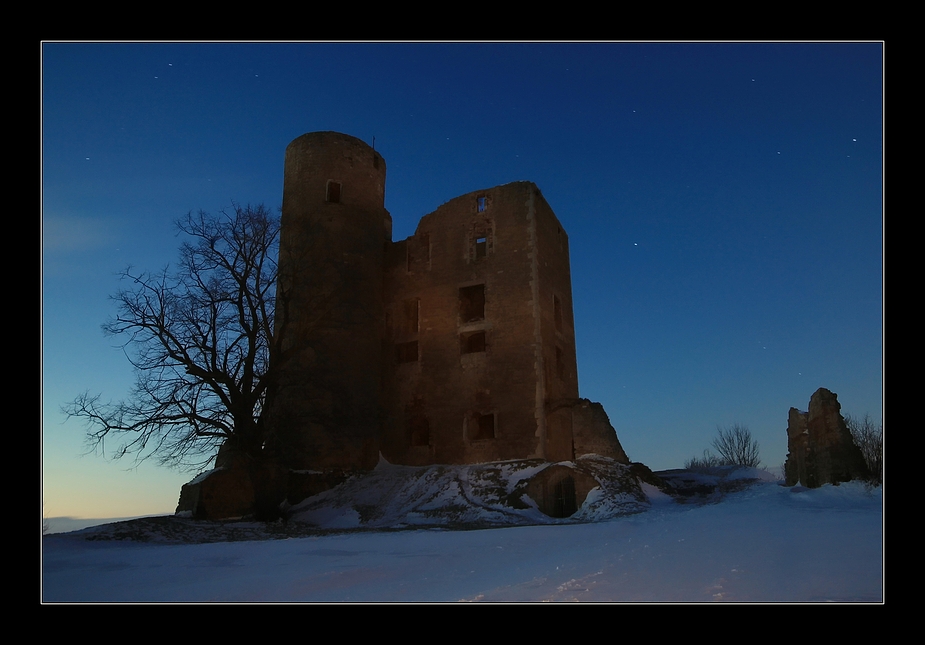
<point x="472" y="303"/>
<point x="472" y="343"/>
<point x="560" y="363"/>
<point x="480" y="240"/>
<point x="481" y="247"/>
<point x="485" y="427"/>
<point x="482" y="204"/>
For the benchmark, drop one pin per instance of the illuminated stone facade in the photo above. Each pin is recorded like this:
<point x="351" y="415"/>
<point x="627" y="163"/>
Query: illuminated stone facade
<point x="453" y="346"/>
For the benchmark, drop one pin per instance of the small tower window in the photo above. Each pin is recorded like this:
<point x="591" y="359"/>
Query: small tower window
<point x="482" y="204"/>
<point x="333" y="195"/>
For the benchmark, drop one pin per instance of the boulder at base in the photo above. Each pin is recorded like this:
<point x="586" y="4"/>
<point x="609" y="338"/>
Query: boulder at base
<point x="219" y="494"/>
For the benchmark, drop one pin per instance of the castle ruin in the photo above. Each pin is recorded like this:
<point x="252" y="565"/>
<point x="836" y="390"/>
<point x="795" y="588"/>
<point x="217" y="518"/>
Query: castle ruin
<point x="453" y="346"/>
<point x="820" y="448"/>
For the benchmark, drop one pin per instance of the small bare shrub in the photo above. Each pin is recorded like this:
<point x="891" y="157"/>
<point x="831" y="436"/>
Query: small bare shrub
<point x="736" y="446"/>
<point x="868" y="436"/>
<point x="709" y="460"/>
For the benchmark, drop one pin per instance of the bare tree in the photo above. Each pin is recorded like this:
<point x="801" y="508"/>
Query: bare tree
<point x="203" y="344"/>
<point x="736" y="446"/>
<point x="709" y="460"/>
<point x="868" y="436"/>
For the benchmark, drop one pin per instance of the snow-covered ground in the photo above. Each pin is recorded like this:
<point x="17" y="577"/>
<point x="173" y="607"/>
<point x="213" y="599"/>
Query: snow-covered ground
<point x="767" y="543"/>
<point x="472" y="496"/>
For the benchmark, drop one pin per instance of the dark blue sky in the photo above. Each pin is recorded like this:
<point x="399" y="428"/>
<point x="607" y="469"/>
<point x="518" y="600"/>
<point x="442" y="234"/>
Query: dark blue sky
<point x="723" y="203"/>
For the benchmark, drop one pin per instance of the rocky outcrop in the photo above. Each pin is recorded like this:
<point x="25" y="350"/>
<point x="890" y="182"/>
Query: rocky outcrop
<point x="219" y="494"/>
<point x="589" y="427"/>
<point x="236" y="488"/>
<point x="594" y="434"/>
<point x="820" y="447"/>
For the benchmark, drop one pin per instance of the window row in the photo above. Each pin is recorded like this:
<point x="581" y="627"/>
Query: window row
<point x="480" y="427"/>
<point x="469" y="343"/>
<point x="480" y="244"/>
<point x="471" y="309"/>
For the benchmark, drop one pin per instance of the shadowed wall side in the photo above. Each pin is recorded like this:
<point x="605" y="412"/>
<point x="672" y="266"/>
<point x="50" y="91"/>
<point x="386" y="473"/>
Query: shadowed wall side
<point x="334" y="229"/>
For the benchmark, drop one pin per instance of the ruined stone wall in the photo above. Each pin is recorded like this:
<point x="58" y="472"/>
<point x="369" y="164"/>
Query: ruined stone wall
<point x="594" y="433"/>
<point x="470" y="382"/>
<point x="591" y="430"/>
<point x="820" y="447"/>
<point x="453" y="346"/>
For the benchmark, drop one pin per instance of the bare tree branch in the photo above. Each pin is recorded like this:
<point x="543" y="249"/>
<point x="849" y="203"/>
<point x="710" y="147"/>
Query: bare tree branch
<point x="868" y="436"/>
<point x="202" y="339"/>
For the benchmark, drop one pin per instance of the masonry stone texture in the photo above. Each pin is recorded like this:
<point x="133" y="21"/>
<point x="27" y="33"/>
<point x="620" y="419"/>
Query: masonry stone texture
<point x="453" y="346"/>
<point x="819" y="444"/>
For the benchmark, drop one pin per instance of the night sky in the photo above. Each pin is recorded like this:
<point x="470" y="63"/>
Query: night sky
<point x="724" y="205"/>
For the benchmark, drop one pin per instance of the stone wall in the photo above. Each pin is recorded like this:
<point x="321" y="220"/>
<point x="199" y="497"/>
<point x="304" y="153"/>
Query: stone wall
<point x="589" y="427"/>
<point x="454" y="346"/>
<point x="820" y="447"/>
<point x="480" y="334"/>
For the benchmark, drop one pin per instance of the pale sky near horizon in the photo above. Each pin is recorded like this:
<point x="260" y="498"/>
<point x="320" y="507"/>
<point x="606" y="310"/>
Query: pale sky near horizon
<point x="723" y="203"/>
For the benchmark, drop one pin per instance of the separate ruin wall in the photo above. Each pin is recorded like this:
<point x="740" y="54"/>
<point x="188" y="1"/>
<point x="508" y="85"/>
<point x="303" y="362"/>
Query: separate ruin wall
<point x="589" y="428"/>
<point x="820" y="447"/>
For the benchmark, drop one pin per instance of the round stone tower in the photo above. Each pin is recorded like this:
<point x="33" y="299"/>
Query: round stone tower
<point x="326" y="409"/>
